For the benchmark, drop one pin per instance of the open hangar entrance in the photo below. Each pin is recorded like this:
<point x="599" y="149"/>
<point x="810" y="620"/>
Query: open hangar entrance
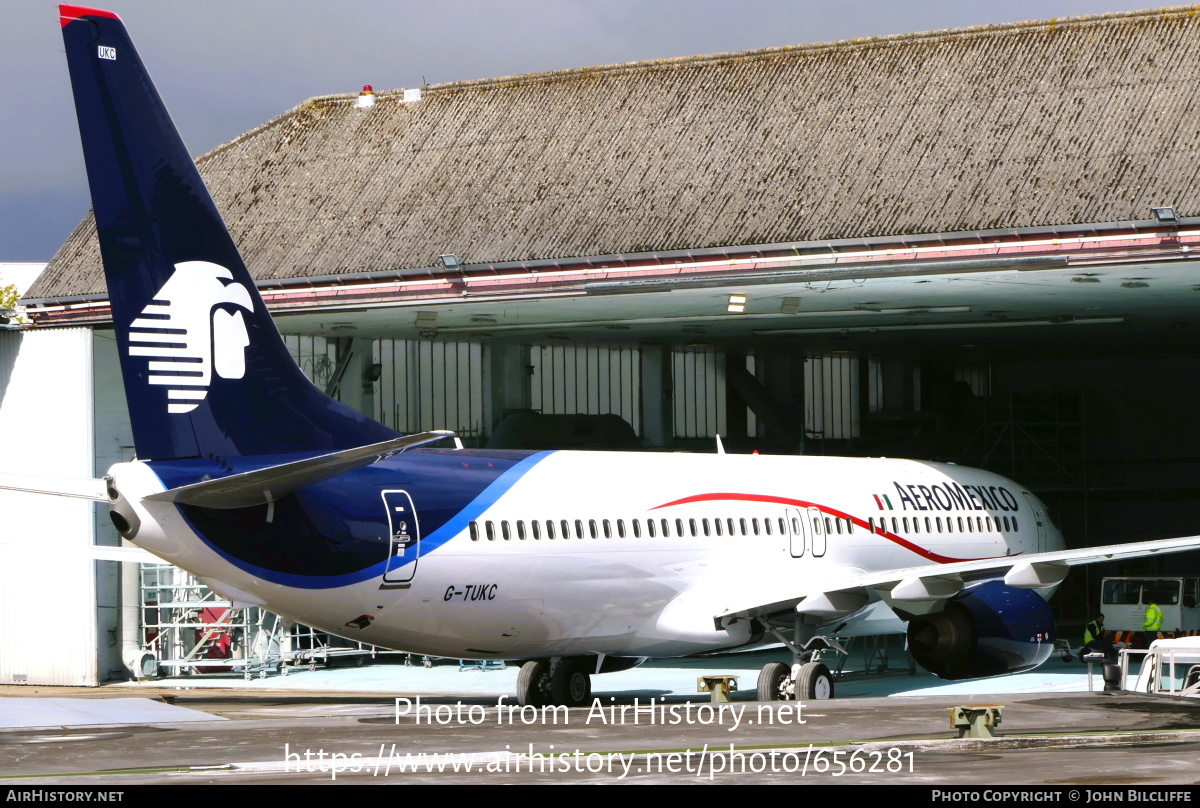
<point x="1077" y="378"/>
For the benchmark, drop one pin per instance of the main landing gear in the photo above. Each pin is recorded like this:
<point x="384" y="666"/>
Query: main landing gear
<point x="806" y="679"/>
<point x="557" y="681"/>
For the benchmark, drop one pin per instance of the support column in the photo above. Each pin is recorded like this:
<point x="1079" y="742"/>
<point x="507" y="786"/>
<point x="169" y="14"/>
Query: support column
<point x="657" y="427"/>
<point x="349" y="381"/>
<point x="508" y="382"/>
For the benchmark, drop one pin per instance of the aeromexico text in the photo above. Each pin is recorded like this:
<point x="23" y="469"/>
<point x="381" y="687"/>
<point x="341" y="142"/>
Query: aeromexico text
<point x="953" y="496"/>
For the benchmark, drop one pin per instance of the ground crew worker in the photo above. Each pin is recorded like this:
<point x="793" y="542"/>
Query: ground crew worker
<point x="1152" y="624"/>
<point x="1095" y="639"/>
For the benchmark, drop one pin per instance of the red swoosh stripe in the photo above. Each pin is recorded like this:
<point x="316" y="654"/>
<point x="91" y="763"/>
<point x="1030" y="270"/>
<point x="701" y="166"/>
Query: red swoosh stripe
<point x="800" y="503"/>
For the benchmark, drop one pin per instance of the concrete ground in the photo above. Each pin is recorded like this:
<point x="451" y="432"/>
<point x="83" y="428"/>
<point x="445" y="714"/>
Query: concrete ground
<point x="645" y="725"/>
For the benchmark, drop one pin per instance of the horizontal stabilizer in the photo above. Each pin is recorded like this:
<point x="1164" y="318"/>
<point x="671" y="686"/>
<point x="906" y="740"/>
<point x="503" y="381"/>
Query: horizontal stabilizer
<point x="261" y="486"/>
<point x="76" y="487"/>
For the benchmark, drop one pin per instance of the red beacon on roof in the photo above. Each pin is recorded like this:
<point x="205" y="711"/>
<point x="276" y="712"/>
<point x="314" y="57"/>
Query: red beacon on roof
<point x="366" y="98"/>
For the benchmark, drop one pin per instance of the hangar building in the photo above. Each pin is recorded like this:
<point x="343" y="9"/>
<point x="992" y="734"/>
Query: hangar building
<point x="970" y="245"/>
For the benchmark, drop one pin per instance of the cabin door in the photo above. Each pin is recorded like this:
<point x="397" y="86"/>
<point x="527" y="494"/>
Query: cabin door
<point x="1039" y="519"/>
<point x="404" y="542"/>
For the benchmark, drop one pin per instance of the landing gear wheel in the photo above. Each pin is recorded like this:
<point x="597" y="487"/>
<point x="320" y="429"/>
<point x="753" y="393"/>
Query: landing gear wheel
<point x="533" y="684"/>
<point x="571" y="686"/>
<point x="815" y="682"/>
<point x="771" y="681"/>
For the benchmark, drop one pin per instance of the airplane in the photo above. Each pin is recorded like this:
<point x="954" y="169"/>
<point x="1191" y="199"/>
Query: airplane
<point x="574" y="563"/>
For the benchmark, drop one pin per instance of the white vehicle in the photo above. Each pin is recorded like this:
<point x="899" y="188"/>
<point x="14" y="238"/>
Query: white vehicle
<point x="1124" y="602"/>
<point x="1170" y="667"/>
<point x="575" y="562"/>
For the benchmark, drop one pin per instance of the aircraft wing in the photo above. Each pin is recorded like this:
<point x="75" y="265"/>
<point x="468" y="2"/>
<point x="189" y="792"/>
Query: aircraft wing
<point x="845" y="593"/>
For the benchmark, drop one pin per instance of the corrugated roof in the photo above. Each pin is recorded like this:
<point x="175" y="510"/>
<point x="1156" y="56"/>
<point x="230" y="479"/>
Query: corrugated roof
<point x="1059" y="122"/>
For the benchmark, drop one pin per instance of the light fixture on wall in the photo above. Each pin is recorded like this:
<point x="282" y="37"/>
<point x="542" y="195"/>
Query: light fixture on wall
<point x="737" y="304"/>
<point x="1166" y="214"/>
<point x="449" y="261"/>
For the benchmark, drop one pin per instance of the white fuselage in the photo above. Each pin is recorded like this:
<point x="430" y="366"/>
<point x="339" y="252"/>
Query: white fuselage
<point x="633" y="554"/>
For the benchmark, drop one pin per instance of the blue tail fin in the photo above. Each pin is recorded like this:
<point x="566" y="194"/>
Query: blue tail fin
<point x="206" y="373"/>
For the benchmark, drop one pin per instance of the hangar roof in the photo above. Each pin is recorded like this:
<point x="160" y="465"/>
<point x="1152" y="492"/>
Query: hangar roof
<point x="1035" y="125"/>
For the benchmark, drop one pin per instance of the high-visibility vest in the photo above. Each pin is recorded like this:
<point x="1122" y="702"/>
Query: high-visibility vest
<point x="1091" y="632"/>
<point x="1154" y="618"/>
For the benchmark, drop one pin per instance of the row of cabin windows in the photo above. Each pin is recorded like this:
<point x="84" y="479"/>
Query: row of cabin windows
<point x="951" y="524"/>
<point x="636" y="528"/>
<point x="592" y="528"/>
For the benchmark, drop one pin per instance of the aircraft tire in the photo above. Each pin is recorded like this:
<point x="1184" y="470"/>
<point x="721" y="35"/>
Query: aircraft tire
<point x="570" y="685"/>
<point x="770" y="681"/>
<point x="533" y="683"/>
<point x="815" y="682"/>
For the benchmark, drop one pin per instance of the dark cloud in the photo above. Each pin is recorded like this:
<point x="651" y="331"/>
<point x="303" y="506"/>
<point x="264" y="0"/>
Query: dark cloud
<point x="224" y="66"/>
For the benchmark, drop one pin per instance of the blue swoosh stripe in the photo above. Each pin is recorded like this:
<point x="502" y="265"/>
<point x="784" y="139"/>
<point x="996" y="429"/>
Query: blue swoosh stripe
<point x="453" y="526"/>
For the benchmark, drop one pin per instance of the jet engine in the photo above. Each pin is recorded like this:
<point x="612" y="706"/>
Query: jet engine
<point x="987" y="629"/>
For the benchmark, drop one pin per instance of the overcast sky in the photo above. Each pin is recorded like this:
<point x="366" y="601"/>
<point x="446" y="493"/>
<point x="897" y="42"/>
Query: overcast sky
<point x="223" y="66"/>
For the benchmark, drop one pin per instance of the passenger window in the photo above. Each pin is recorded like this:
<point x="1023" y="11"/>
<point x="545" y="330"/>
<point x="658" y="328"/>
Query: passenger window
<point x="838" y="522"/>
<point x="474" y="531"/>
<point x="579" y="528"/>
<point x="491" y="530"/>
<point x="960" y="524"/>
<point x="742" y="524"/>
<point x="692" y="524"/>
<point x="817" y="525"/>
<point x="754" y="525"/>
<point x="782" y="527"/>
<point x="849" y="525"/>
<point x="716" y="525"/>
<point x="537" y="529"/>
<point x="928" y="525"/>
<point x="679" y="531"/>
<point x="938" y="522"/>
<point x="607" y="529"/>
<point x="895" y="525"/>
<point x="549" y="528"/>
<point x="592" y="529"/>
<point x="504" y="530"/>
<point x="666" y="528"/>
<point x="767" y="526"/>
<point x="704" y="522"/>
<point x="521" y="529"/>
<point x="1015" y="526"/>
<point x="637" y="528"/>
<point x="906" y="530"/>
<point x="621" y="528"/>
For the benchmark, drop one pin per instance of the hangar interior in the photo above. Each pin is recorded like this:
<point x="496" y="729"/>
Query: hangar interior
<point x="971" y="246"/>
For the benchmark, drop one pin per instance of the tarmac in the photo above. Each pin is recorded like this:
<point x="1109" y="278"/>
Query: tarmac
<point x="389" y="723"/>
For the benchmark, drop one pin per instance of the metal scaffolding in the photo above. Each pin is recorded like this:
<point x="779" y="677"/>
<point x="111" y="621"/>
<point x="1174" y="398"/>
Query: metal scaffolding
<point x="193" y="632"/>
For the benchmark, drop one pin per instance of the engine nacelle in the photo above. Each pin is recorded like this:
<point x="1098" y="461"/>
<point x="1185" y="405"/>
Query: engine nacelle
<point x="987" y="629"/>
